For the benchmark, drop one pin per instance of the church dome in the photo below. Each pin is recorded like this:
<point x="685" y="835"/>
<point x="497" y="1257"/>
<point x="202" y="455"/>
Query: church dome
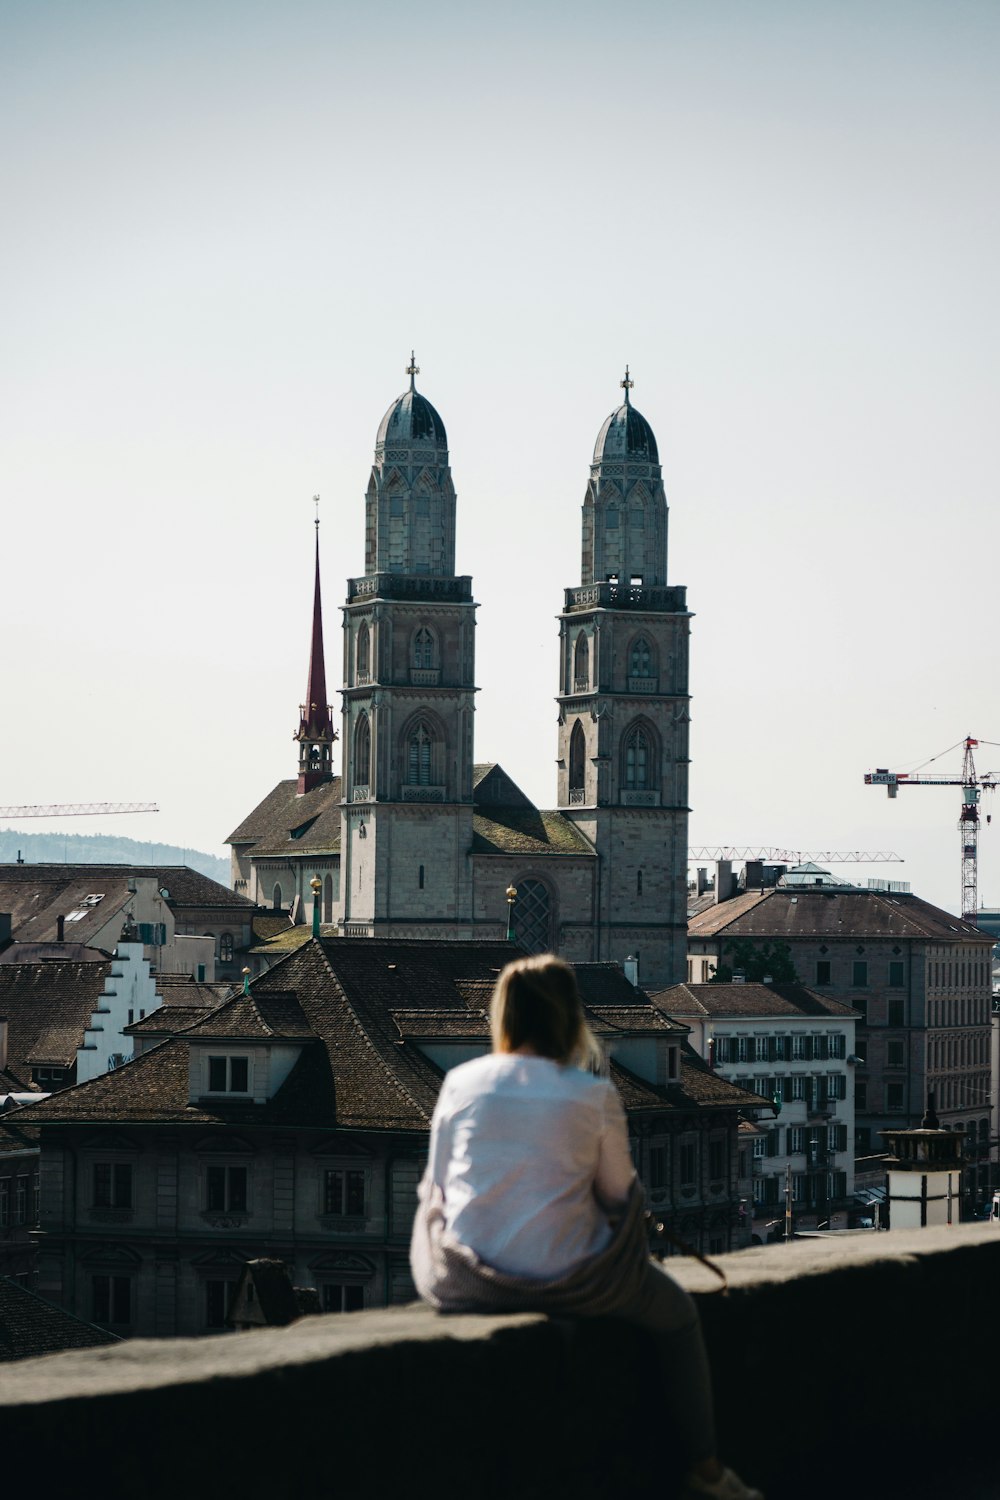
<point x="412" y="421"/>
<point x="626" y="434"/>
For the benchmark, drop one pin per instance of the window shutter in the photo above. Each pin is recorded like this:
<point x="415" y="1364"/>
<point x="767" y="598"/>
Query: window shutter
<point x="807" y="1048"/>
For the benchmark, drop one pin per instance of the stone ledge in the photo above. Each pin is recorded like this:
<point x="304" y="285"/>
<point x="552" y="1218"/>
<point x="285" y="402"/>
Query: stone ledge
<point x="831" y="1358"/>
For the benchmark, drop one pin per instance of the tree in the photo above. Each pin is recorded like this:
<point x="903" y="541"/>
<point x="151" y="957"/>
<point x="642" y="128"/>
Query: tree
<point x="756" y="962"/>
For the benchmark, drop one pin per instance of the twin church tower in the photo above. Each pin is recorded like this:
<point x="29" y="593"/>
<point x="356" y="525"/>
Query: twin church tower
<point x="415" y="839"/>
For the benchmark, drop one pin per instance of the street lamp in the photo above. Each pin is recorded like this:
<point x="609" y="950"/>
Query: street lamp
<point x="511" y="894"/>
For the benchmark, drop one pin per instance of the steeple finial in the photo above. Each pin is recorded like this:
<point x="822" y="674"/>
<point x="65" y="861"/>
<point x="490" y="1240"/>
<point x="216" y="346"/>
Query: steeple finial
<point x="413" y="370"/>
<point x="316" y="732"/>
<point x="626" y="385"/>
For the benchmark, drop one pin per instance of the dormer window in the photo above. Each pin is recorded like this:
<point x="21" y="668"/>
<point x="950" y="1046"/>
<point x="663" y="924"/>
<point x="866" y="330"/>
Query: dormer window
<point x="228" y="1075"/>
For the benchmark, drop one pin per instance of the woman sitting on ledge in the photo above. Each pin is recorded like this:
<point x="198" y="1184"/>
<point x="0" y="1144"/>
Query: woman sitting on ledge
<point x="530" y="1201"/>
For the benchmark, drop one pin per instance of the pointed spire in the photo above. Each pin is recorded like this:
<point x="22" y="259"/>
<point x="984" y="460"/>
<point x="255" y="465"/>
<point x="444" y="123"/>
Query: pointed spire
<point x="316" y="732"/>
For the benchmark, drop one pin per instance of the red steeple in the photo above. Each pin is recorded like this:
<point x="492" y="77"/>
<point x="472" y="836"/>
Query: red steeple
<point x="316" y="732"/>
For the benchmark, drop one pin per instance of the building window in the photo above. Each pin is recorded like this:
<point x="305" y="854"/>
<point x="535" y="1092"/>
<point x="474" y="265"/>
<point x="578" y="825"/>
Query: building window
<point x="363" y="653"/>
<point x="577" y="758"/>
<point x="640" y="661"/>
<point x="861" y="1093"/>
<point x="112" y="1184"/>
<point x="796" y="1140"/>
<point x="328" y="899"/>
<point x="21" y="1201"/>
<point x="638" y="882"/>
<point x="860" y="973"/>
<point x="228" y="1075"/>
<point x="895" y="1013"/>
<point x="894" y="1097"/>
<point x="226" y="948"/>
<point x="638" y="760"/>
<point x="343" y="1296"/>
<point x="689" y="1163"/>
<point x="823" y="971"/>
<point x="226" y="1189"/>
<point x="423" y="648"/>
<point x="418" y="756"/>
<point x="4" y="1202"/>
<point x="657" y="1168"/>
<point x="276" y="898"/>
<point x="895" y="972"/>
<point x="532" y="917"/>
<point x="363" y="752"/>
<point x="716" y="1160"/>
<point x="344" y="1193"/>
<point x="420" y="877"/>
<point x="218" y="1297"/>
<point x="111" y="1299"/>
<point x="581" y="664"/>
<point x="895" y="1053"/>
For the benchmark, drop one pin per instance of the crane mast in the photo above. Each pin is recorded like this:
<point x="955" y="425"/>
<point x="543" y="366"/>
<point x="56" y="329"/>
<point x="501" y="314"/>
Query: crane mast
<point x="973" y="785"/>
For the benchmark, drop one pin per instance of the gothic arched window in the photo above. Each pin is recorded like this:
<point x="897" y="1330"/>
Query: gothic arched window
<point x="640" y="658"/>
<point x="276" y="898"/>
<point x="362" y="752"/>
<point x="419" y="755"/>
<point x="532" y="916"/>
<point x="638" y="771"/>
<point x="363" y="653"/>
<point x="328" y="899"/>
<point x="581" y="664"/>
<point x="423" y="648"/>
<point x="577" y="758"/>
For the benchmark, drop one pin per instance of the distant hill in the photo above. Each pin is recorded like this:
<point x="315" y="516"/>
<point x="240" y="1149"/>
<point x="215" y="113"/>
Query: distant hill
<point x="103" y="849"/>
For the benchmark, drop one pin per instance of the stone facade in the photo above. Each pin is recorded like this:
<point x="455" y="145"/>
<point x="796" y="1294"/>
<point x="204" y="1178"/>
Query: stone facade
<point x="416" y="840"/>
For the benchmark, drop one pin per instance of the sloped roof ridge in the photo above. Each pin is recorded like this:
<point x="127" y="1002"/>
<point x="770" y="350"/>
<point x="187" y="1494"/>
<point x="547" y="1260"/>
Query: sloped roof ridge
<point x="356" y="1021"/>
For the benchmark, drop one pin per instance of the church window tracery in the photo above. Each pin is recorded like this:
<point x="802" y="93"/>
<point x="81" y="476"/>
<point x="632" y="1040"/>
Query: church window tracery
<point x="532" y="916"/>
<point x="363" y="653"/>
<point x="581" y="663"/>
<point x="419" y="754"/>
<point x="362" y="752"/>
<point x="423" y="648"/>
<point x="577" y="758"/>
<point x="640" y="661"/>
<point x="637" y="760"/>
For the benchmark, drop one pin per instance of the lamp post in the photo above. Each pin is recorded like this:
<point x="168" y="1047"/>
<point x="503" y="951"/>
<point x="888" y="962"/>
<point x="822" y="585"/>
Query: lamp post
<point x="511" y="894"/>
<point x="316" y="885"/>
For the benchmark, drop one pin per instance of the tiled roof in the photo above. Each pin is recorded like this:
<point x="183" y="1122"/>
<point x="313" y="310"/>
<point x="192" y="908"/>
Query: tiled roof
<point x="428" y="1024"/>
<point x="261" y="1013"/>
<point x="525" y="830"/>
<point x="362" y="998"/>
<point x="28" y="891"/>
<point x="29" y="1325"/>
<point x="697" y="1088"/>
<point x="314" y="817"/>
<point x="832" y="912"/>
<point x="166" y="1020"/>
<point x="784" y="1000"/>
<point x="182" y="989"/>
<point x="270" y="927"/>
<point x="48" y="1007"/>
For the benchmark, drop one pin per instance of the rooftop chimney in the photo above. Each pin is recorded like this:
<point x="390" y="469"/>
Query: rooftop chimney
<point x="723" y="880"/>
<point x="631" y="967"/>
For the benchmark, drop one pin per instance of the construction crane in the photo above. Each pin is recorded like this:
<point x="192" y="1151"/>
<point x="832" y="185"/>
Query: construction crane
<point x="75" y="809"/>
<point x="799" y="856"/>
<point x="973" y="784"/>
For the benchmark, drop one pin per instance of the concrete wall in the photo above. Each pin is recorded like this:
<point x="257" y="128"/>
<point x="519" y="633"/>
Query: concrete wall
<point x="861" y="1366"/>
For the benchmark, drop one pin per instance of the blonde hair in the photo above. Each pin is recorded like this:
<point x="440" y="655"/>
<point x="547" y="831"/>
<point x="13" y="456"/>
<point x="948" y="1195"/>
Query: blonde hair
<point x="536" y="1004"/>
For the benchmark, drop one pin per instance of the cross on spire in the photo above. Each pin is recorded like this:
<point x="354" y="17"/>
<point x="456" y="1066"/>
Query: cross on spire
<point x="316" y="503"/>
<point x="626" y="384"/>
<point x="413" y="370"/>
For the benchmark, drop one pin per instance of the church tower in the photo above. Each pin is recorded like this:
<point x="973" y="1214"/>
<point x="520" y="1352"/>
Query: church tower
<point x="316" y="732"/>
<point x="409" y="671"/>
<point x="623" y="704"/>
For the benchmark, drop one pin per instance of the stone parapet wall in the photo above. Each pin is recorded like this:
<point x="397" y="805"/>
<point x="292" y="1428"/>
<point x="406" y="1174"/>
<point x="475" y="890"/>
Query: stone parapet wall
<point x="855" y="1365"/>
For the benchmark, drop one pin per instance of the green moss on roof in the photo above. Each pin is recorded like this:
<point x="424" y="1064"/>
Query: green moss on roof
<point x="525" y="830"/>
<point x="291" y="939"/>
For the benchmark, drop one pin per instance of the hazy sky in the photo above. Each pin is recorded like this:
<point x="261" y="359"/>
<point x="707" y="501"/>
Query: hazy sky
<point x="226" y="224"/>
